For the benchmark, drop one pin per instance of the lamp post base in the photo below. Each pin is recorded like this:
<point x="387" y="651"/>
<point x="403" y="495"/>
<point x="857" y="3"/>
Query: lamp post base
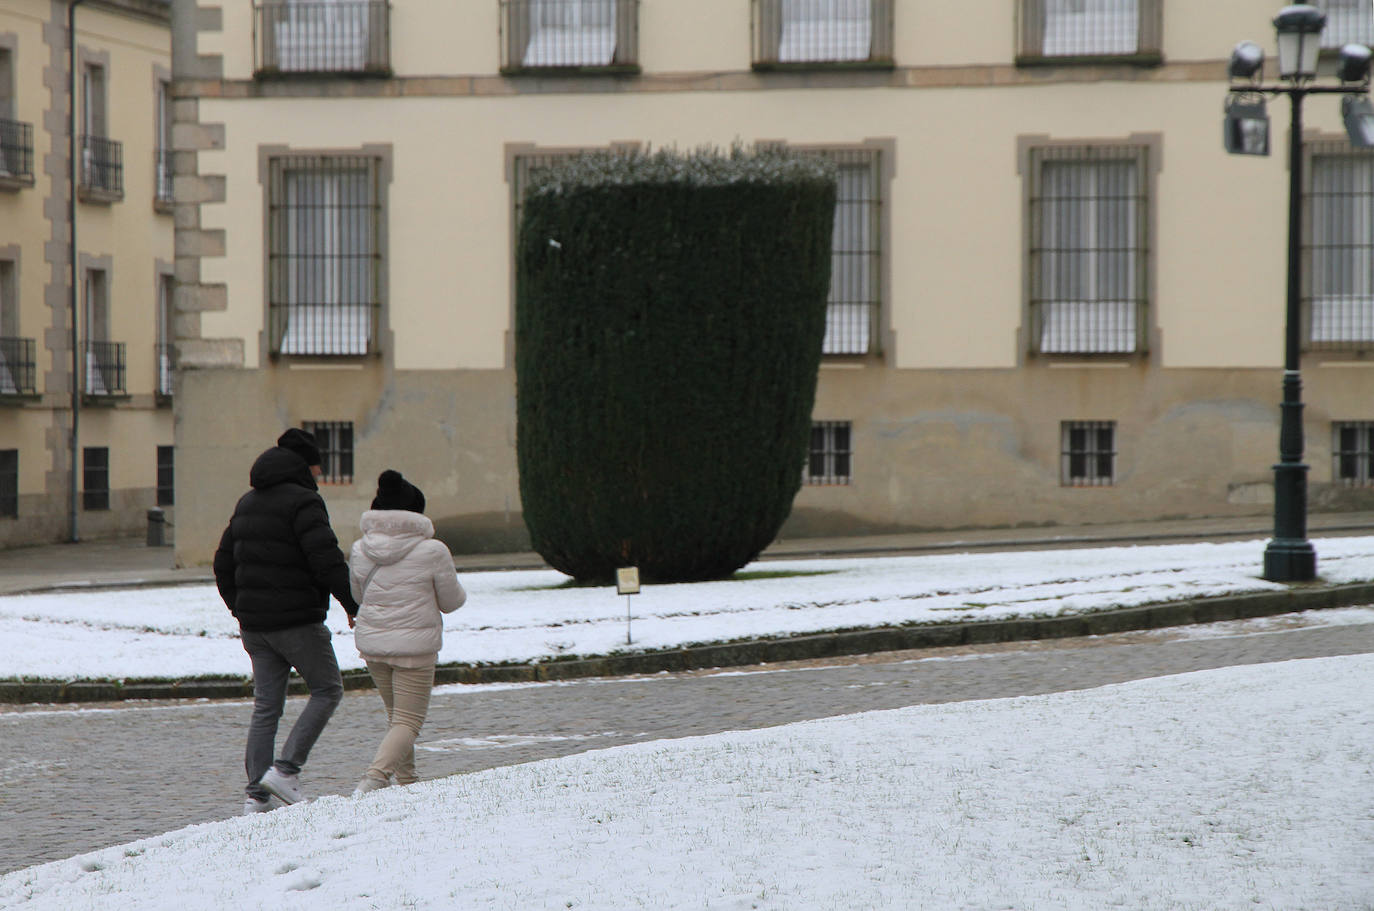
<point x="1290" y="560"/>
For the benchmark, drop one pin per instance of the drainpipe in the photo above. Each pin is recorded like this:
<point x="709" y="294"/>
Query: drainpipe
<point x="74" y="487"/>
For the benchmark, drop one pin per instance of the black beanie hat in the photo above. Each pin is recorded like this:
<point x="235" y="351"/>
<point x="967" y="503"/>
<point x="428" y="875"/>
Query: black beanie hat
<point x="302" y="443"/>
<point x="395" y="492"/>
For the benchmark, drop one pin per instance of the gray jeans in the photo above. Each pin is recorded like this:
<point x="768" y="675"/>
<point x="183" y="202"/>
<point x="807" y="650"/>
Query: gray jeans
<point x="308" y="649"/>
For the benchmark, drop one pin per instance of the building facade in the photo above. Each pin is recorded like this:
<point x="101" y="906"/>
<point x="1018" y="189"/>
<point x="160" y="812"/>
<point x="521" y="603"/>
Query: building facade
<point x="86" y="268"/>
<point x="1055" y="298"/>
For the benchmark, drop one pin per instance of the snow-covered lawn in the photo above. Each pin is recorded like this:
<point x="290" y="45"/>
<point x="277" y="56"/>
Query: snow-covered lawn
<point x="532" y="615"/>
<point x="1240" y="788"/>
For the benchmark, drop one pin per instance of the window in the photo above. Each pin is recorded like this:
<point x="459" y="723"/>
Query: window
<point x="1341" y="246"/>
<point x="1347" y="22"/>
<point x="822" y="31"/>
<point x="9" y="483"/>
<point x="166" y="490"/>
<point x="322" y="36"/>
<point x="1088" y="249"/>
<point x="1057" y="31"/>
<point x="335" y="439"/>
<point x="324" y="268"/>
<point x="16" y="354"/>
<point x="1087" y="453"/>
<point x="162" y="151"/>
<point x="164" y="347"/>
<point x="1352" y="453"/>
<point x="582" y="34"/>
<point x="831" y="457"/>
<point x="104" y="358"/>
<point x="16" y="139"/>
<point x="95" y="478"/>
<point x="855" y="278"/>
<point x="102" y="159"/>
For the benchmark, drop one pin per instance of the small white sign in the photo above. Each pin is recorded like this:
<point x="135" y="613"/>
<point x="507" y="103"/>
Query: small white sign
<point x="627" y="580"/>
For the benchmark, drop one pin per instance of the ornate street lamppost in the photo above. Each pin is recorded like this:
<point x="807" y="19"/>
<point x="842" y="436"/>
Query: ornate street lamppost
<point x="1290" y="557"/>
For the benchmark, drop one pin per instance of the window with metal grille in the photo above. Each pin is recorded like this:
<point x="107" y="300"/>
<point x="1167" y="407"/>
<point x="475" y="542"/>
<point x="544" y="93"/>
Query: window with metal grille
<point x="822" y="31"/>
<point x="335" y="439"/>
<point x="95" y="478"/>
<point x="322" y="36"/>
<point x="1087" y="453"/>
<point x="1340" y="246"/>
<point x="162" y="149"/>
<point x="583" y="34"/>
<point x="1089" y="244"/>
<point x="9" y="483"/>
<point x="166" y="488"/>
<point x="1347" y="22"/>
<point x="1352" y="453"/>
<point x="1066" y="29"/>
<point x="163" y="347"/>
<point x="855" y="296"/>
<point x="832" y="455"/>
<point x="17" y="365"/>
<point x="324" y="254"/>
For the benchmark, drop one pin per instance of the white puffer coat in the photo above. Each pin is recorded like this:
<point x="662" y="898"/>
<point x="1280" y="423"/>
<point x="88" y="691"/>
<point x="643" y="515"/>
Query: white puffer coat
<point x="399" y="614"/>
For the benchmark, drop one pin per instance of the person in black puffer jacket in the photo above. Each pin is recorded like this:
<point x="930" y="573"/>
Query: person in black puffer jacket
<point x="277" y="563"/>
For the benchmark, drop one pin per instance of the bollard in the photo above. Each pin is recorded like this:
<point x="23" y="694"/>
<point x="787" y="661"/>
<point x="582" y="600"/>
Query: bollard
<point x="157" y="527"/>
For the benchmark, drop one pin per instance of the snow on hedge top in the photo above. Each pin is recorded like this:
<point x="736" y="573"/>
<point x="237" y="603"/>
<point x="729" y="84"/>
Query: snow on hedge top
<point x="705" y="167"/>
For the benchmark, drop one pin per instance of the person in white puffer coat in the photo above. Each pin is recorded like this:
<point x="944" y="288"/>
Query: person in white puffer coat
<point x="404" y="582"/>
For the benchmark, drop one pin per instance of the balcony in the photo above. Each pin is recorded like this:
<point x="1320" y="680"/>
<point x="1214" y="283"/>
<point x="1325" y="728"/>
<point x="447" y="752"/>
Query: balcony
<point x="104" y="378"/>
<point x="162" y="180"/>
<point x="17" y="370"/>
<point x="822" y="34"/>
<point x="322" y="38"/>
<point x="16" y="155"/>
<point x="102" y="170"/>
<point x="597" y="37"/>
<point x="163" y="387"/>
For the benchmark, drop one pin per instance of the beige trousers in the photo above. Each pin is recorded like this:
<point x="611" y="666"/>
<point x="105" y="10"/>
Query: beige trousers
<point x="405" y="693"/>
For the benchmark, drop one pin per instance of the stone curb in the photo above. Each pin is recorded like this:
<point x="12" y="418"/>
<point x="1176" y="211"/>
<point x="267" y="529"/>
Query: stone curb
<point x="756" y="651"/>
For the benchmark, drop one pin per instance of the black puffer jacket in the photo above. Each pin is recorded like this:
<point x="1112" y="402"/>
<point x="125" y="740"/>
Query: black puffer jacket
<point x="278" y="561"/>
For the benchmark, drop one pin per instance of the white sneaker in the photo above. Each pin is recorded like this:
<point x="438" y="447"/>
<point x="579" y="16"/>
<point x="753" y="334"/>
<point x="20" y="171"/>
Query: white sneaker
<point x="252" y="806"/>
<point x="286" y="788"/>
<point x="368" y="783"/>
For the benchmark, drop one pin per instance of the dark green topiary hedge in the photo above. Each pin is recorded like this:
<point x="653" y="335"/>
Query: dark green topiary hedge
<point x="669" y="315"/>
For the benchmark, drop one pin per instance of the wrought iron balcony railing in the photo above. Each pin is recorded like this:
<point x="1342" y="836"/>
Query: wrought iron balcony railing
<point x="322" y="37"/>
<point x="104" y="369"/>
<point x="17" y="366"/>
<point x="162" y="176"/>
<point x="164" y="355"/>
<point x="578" y="35"/>
<point x="809" y="33"/>
<point x="102" y="169"/>
<point x="16" y="154"/>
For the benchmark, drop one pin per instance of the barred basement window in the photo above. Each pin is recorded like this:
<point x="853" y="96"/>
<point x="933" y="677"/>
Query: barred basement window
<point x="832" y="455"/>
<point x="9" y="483"/>
<point x="1352" y="453"/>
<point x="324" y="254"/>
<point x="335" y="439"/>
<point x="1088" y="453"/>
<point x="95" y="478"/>
<point x="1089" y="249"/>
<point x="1340" y="246"/>
<point x="166" y="489"/>
<point x="855" y="268"/>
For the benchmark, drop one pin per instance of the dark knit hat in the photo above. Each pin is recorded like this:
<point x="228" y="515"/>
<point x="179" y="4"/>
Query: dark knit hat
<point x="302" y="443"/>
<point x="395" y="492"/>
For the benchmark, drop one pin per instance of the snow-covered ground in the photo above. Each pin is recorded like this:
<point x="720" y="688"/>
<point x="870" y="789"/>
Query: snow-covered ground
<point x="532" y="615"/>
<point x="1241" y="788"/>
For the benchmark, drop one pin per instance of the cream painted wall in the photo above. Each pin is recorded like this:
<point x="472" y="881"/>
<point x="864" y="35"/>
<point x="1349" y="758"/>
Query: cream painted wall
<point x="706" y="36"/>
<point x="132" y="437"/>
<point x="25" y="430"/>
<point x="956" y="247"/>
